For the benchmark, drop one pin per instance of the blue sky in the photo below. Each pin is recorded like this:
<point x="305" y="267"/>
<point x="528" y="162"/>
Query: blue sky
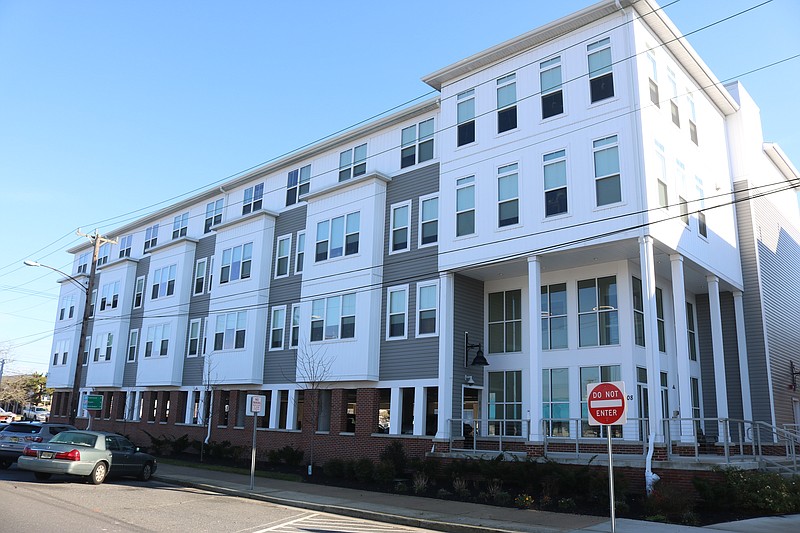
<point x="107" y="108"/>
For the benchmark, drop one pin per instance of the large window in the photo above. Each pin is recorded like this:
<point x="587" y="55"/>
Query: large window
<point x="253" y="198"/>
<point x="691" y="331"/>
<point x="301" y="252"/>
<point x="104" y="347"/>
<point x="597" y="312"/>
<point x="163" y="282"/>
<point x="236" y="263"/>
<point x="428" y="221"/>
<point x="396" y="312"/>
<point x="150" y="237"/>
<point x="505" y="321"/>
<point x="601" y="77"/>
<point x="673" y="98"/>
<point x="103" y="253"/>
<point x="638" y="312"/>
<point x="282" y="256"/>
<point x="133" y="343"/>
<point x="295" y="333"/>
<point x="653" y="79"/>
<point x="157" y="342"/>
<point x="277" y="328"/>
<point x="193" y="345"/>
<point x="608" y="189"/>
<point x="83" y="263"/>
<point x="180" y="225"/>
<point x="551" y="88"/>
<point x="427" y="308"/>
<point x="353" y="162"/>
<point x="466" y="117"/>
<point x="662" y="332"/>
<point x="597" y="374"/>
<point x="213" y="214"/>
<point x="200" y="275"/>
<point x="400" y="234"/>
<point x="125" y="244"/>
<point x="297" y="184"/>
<point x="505" y="403"/>
<point x="507" y="195"/>
<point x="230" y="329"/>
<point x="333" y="318"/>
<point x="555" y="183"/>
<point x="138" y="292"/>
<point x="67" y="309"/>
<point x="417" y="143"/>
<point x="109" y="296"/>
<point x="338" y="236"/>
<point x="661" y="176"/>
<point x="692" y="118"/>
<point x="465" y="206"/>
<point x="555" y="401"/>
<point x="554" y="317"/>
<point x="506" y="103"/>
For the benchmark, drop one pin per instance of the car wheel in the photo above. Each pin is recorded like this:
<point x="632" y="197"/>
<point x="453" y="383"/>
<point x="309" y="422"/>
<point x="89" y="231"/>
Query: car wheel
<point x="146" y="473"/>
<point x="41" y="476"/>
<point x="4" y="464"/>
<point x="98" y="474"/>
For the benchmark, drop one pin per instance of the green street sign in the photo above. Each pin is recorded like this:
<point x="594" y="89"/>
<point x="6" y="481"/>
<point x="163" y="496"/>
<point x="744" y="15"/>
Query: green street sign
<point x="93" y="402"/>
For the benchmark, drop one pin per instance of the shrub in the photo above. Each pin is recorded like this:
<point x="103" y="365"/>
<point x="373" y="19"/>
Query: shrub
<point x="523" y="501"/>
<point x="670" y="504"/>
<point x="400" y="488"/>
<point x="567" y="505"/>
<point x="395" y="453"/>
<point x="750" y="492"/>
<point x="335" y="468"/>
<point x="179" y="445"/>
<point x="384" y="473"/>
<point x="363" y="470"/>
<point x="292" y="456"/>
<point x="443" y="494"/>
<point x="501" y="498"/>
<point x="420" y="482"/>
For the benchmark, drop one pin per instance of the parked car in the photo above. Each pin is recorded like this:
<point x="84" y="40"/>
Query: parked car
<point x="92" y="454"/>
<point x="17" y="435"/>
<point x="36" y="414"/>
<point x="6" y="416"/>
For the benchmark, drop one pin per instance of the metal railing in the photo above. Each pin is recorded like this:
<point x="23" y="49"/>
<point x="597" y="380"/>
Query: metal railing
<point x="487" y="434"/>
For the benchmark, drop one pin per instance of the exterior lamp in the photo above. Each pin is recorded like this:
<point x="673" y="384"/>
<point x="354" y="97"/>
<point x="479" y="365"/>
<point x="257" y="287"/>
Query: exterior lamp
<point x="479" y="360"/>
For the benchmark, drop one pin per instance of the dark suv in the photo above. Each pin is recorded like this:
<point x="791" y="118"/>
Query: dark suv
<point x="17" y="435"/>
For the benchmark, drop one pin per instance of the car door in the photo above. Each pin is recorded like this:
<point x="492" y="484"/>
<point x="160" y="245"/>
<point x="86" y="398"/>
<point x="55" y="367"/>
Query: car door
<point x="120" y="459"/>
<point x="133" y="464"/>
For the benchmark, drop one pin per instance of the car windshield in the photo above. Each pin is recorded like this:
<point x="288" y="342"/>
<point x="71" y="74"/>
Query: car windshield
<point x="29" y="429"/>
<point x="76" y="438"/>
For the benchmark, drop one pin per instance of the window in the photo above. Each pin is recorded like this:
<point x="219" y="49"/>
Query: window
<point x="555" y="401"/>
<point x="297" y="184"/>
<point x="505" y="403"/>
<point x="67" y="309"/>
<point x="601" y="77"/>
<point x="653" y="79"/>
<point x="277" y="326"/>
<point x="282" y="256"/>
<point x="193" y="345"/>
<point x="295" y="336"/>
<point x="465" y="109"/>
<point x="638" y="312"/>
<point x="333" y="318"/>
<point x="337" y="236"/>
<point x="83" y="263"/>
<point x="213" y="214"/>
<point x="109" y="296"/>
<point x="353" y="162"/>
<point x="507" y="195"/>
<point x="384" y="411"/>
<point x="465" y="206"/>
<point x="684" y="207"/>
<point x="133" y="342"/>
<point x="555" y="183"/>
<point x="125" y="246"/>
<point x="551" y="89"/>
<point x="150" y="237"/>
<point x="428" y="221"/>
<point x="60" y="348"/>
<point x="105" y="346"/>
<point x="417" y="143"/>
<point x="396" y="311"/>
<point x="138" y="292"/>
<point x="157" y="342"/>
<point x="661" y="175"/>
<point x="200" y="275"/>
<point x="236" y="263"/>
<point x="93" y="303"/>
<point x="597" y="312"/>
<point x="681" y="181"/>
<point x="427" y="308"/>
<point x="673" y="100"/>
<point x="662" y="333"/>
<point x="606" y="171"/>
<point x="597" y="374"/>
<point x="399" y="236"/>
<point x="702" y="229"/>
<point x="163" y="282"/>
<point x="102" y="254"/>
<point x="506" y="103"/>
<point x="86" y="347"/>
<point x="505" y="321"/>
<point x="554" y="316"/>
<point x="230" y="331"/>
<point x="692" y="117"/>
<point x="301" y="252"/>
<point x="253" y="197"/>
<point x="180" y="225"/>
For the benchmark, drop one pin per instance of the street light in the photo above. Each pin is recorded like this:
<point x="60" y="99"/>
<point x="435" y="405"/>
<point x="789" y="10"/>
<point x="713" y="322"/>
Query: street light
<point x="77" y="282"/>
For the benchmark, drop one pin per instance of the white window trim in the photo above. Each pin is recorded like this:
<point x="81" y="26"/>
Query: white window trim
<point x="291" y="326"/>
<point x="420" y="286"/>
<point x="288" y="256"/>
<point x="542" y="93"/>
<point x="135" y="347"/>
<point x="590" y="77"/>
<point x="389" y="291"/>
<point x="518" y="199"/>
<point x="87" y="349"/>
<point x="297" y="252"/>
<point x="199" y="323"/>
<point x="272" y="328"/>
<point x="392" y="209"/>
<point x="618" y="144"/>
<point x="474" y="208"/>
<point x="144" y="289"/>
<point x="501" y="83"/>
<point x="567" y="184"/>
<point x="423" y="199"/>
<point x="204" y="262"/>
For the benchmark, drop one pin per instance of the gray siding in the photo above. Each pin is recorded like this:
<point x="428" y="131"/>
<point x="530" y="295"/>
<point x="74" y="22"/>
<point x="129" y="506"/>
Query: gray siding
<point x="467" y="316"/>
<point x="198" y="308"/>
<point x="279" y="365"/>
<point x="129" y="374"/>
<point x="410" y="358"/>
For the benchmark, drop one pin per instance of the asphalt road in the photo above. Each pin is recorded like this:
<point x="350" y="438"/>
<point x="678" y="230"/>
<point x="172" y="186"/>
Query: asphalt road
<point x="120" y="505"/>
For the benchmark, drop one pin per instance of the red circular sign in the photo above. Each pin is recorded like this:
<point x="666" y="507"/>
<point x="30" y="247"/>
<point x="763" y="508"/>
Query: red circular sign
<point x="606" y="404"/>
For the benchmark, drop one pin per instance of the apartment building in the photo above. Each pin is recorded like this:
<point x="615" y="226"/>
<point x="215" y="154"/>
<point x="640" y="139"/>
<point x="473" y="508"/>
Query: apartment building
<point x="579" y="204"/>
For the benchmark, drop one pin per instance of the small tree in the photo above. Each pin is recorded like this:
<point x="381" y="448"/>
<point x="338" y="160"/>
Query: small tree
<point x="210" y="381"/>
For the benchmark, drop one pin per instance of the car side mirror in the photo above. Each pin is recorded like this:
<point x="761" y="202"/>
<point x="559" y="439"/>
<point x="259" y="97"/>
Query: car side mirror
<point x="137" y="449"/>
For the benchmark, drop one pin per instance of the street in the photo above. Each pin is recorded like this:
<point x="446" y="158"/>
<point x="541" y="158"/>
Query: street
<point x="121" y="505"/>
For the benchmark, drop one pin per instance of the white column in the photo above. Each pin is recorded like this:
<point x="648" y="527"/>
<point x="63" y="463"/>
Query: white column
<point x="291" y="408"/>
<point x="395" y="411"/>
<point x="651" y="335"/>
<point x="744" y="367"/>
<point x="419" y="411"/>
<point x="201" y="407"/>
<point x="719" y="351"/>
<point x="274" y="408"/>
<point x="446" y="355"/>
<point x="535" y="348"/>
<point x="682" y="340"/>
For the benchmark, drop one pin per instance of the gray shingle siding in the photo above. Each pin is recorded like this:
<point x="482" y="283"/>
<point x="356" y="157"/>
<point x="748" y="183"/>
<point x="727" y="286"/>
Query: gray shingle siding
<point x="129" y="373"/>
<point x="198" y="308"/>
<point x="467" y="316"/>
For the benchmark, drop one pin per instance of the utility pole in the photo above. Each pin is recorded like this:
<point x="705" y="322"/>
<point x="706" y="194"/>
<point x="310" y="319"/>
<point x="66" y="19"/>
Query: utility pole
<point x="97" y="241"/>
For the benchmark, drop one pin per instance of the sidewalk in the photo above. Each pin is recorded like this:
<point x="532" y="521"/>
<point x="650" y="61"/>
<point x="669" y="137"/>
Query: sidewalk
<point x="429" y="513"/>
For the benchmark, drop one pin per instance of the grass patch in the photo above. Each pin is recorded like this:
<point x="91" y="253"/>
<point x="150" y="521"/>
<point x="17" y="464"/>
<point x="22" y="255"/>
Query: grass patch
<point x="283" y="476"/>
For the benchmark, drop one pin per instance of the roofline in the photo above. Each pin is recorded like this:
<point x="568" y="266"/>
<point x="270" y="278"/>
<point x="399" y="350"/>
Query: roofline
<point x="781" y="161"/>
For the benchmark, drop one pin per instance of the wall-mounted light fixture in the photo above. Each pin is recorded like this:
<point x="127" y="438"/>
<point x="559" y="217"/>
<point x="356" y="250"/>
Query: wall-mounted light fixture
<point x="469" y="380"/>
<point x="479" y="360"/>
<point x="794" y="373"/>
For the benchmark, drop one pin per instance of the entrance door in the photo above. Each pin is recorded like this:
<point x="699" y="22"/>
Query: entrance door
<point x="471" y="416"/>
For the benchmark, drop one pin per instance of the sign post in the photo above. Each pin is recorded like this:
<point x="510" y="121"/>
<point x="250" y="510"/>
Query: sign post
<point x="92" y="402"/>
<point x="607" y="406"/>
<point x="256" y="406"/>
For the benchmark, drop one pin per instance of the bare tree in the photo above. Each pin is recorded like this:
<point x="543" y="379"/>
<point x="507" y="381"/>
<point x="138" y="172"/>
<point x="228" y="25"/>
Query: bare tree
<point x="210" y="381"/>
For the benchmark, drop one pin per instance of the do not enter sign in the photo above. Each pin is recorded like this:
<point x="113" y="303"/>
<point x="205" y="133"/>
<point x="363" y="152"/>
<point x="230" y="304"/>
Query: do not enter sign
<point x="606" y="403"/>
